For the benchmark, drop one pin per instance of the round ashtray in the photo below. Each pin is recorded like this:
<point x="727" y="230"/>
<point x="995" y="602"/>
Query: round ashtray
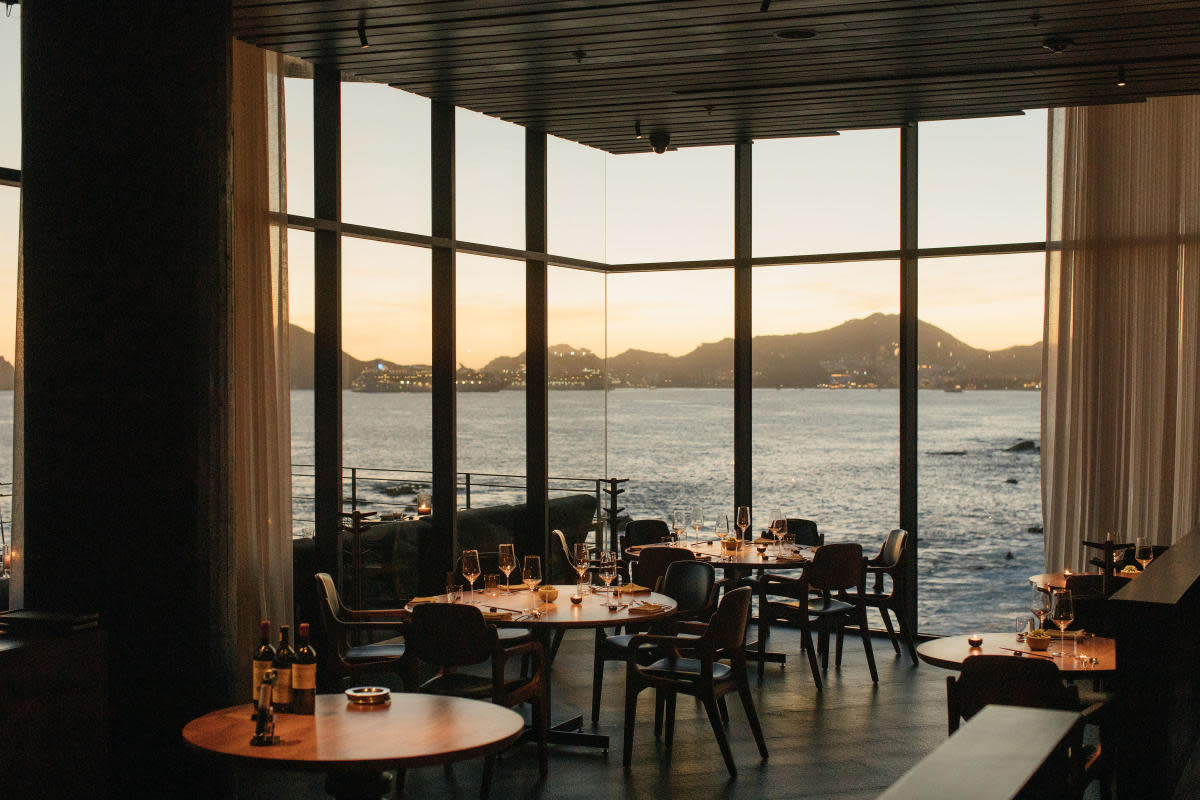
<point x="368" y="695"/>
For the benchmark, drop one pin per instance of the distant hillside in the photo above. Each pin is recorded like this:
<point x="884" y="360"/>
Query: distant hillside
<point x="858" y="352"/>
<point x="300" y="342"/>
<point x="8" y="374"/>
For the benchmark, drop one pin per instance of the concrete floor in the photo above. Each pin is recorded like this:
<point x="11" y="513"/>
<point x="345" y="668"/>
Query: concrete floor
<point x="851" y="740"/>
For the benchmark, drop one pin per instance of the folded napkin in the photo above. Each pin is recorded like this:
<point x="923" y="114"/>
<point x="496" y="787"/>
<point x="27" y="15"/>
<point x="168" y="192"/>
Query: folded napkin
<point x="648" y="608"/>
<point x="1055" y="633"/>
<point x="416" y="601"/>
<point x="632" y="588"/>
<point x="514" y="587"/>
<point x="496" y="616"/>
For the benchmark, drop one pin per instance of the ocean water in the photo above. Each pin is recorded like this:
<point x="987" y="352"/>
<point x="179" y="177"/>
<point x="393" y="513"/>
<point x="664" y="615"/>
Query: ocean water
<point x="828" y="455"/>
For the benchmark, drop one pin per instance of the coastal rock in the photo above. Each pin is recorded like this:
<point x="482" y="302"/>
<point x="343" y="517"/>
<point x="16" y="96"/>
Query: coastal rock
<point x="1034" y="529"/>
<point x="947" y="453"/>
<point x="1012" y="480"/>
<point x="1023" y="446"/>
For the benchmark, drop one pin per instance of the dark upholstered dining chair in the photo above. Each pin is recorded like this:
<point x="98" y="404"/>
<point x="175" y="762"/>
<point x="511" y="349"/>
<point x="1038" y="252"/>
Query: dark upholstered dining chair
<point x="834" y="569"/>
<point x="691" y="584"/>
<point x="645" y="531"/>
<point x="342" y="658"/>
<point x="892" y="563"/>
<point x="449" y="636"/>
<point x="694" y="665"/>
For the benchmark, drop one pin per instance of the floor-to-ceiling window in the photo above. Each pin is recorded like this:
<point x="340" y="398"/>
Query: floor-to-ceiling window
<point x="10" y="204"/>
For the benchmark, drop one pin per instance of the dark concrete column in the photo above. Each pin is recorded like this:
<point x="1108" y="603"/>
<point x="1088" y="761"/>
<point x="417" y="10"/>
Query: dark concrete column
<point x="908" y="357"/>
<point x="743" y="330"/>
<point x="537" y="343"/>
<point x="126" y="170"/>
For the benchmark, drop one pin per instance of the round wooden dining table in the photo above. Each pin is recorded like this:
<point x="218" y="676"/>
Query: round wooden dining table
<point x="949" y="652"/>
<point x="352" y="744"/>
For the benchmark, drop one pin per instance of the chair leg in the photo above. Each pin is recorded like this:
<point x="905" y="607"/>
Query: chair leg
<point x="398" y="784"/>
<point x="887" y="623"/>
<point x="714" y="719"/>
<point x="489" y="768"/>
<point x="659" y="700"/>
<point x="764" y="626"/>
<point x="841" y="634"/>
<point x="823" y="645"/>
<point x="631" y="693"/>
<point x="866" y="639"/>
<point x="812" y="656"/>
<point x="907" y="633"/>
<point x="541" y="724"/>
<point x="554" y="645"/>
<point x="752" y="716"/>
<point x="723" y="707"/>
<point x="669" y="734"/>
<point x="597" y="677"/>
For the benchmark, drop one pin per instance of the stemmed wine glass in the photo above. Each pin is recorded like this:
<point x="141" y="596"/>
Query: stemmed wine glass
<point x="581" y="564"/>
<point x="470" y="569"/>
<point x="743" y="519"/>
<point x="1143" y="553"/>
<point x="531" y="574"/>
<point x="508" y="563"/>
<point x="721" y="526"/>
<point x="678" y="525"/>
<point x="1040" y="605"/>
<point x="608" y="570"/>
<point x="1062" y="614"/>
<point x="777" y="527"/>
<point x="697" y="521"/>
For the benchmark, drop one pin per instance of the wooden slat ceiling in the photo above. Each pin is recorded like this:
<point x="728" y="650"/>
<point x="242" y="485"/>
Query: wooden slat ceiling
<point x="710" y="72"/>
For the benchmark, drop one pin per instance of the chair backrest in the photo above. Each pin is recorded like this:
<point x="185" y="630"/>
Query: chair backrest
<point x="1006" y="680"/>
<point x="645" y="531"/>
<point x="1086" y="584"/>
<point x="893" y="549"/>
<point x="805" y="532"/>
<point x="449" y="635"/>
<point x="489" y="564"/>
<point x="652" y="563"/>
<point x="727" y="626"/>
<point x="332" y="613"/>
<point x="689" y="583"/>
<point x="835" y="567"/>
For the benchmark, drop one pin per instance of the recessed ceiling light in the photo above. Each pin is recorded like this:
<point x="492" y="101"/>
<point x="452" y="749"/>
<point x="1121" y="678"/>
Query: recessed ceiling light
<point x="795" y="34"/>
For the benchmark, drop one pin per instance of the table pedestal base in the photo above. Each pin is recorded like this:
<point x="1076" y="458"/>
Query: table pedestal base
<point x="357" y="784"/>
<point x="569" y="732"/>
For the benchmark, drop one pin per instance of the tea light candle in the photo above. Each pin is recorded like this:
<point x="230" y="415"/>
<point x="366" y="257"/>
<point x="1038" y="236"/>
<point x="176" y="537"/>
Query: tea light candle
<point x="975" y="640"/>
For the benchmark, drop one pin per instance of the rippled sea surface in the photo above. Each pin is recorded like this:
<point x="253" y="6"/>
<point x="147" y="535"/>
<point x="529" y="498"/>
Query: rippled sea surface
<point x="828" y="455"/>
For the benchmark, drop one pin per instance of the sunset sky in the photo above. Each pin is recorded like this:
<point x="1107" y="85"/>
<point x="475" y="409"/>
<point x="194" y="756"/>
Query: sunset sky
<point x="981" y="181"/>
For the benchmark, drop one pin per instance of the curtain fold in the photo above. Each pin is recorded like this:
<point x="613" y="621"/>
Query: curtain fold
<point x="260" y="425"/>
<point x="1121" y="388"/>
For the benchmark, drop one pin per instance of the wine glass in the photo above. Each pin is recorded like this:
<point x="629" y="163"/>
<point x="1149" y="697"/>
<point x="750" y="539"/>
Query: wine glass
<point x="1062" y="613"/>
<point x="508" y="563"/>
<point x="678" y="525"/>
<point x="1040" y="605"/>
<point x="721" y="526"/>
<point x="743" y="519"/>
<point x="697" y="521"/>
<point x="531" y="574"/>
<point x="778" y="524"/>
<point x="1143" y="553"/>
<point x="470" y="569"/>
<point x="608" y="569"/>
<point x="581" y="563"/>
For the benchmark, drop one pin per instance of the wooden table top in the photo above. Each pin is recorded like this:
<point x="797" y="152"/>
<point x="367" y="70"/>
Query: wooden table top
<point x="1056" y="580"/>
<point x="562" y="613"/>
<point x="745" y="556"/>
<point x="950" y="651"/>
<point x="412" y="730"/>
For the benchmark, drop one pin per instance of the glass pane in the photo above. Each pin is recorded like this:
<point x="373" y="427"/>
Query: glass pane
<point x="491" y="349"/>
<point x="980" y="423"/>
<point x="385" y="158"/>
<point x="298" y="105"/>
<point x="576" y="419"/>
<point x="670" y="414"/>
<point x="10" y="87"/>
<point x="386" y="414"/>
<point x="301" y="313"/>
<point x="10" y="210"/>
<point x="826" y="402"/>
<point x="671" y="207"/>
<point x="827" y="194"/>
<point x="982" y="181"/>
<point x="575" y="199"/>
<point x="489" y="180"/>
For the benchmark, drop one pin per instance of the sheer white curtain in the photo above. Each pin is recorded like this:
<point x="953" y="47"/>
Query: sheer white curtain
<point x="259" y="420"/>
<point x="1120" y="402"/>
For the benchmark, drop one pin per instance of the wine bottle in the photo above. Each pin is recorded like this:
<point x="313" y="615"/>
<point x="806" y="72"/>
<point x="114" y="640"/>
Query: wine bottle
<point x="264" y="658"/>
<point x="304" y="675"/>
<point x="285" y="656"/>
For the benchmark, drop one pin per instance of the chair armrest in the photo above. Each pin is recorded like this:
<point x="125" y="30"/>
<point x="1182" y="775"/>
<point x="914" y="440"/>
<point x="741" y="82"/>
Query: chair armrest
<point x="674" y="642"/>
<point x="502" y="654"/>
<point x="676" y="627"/>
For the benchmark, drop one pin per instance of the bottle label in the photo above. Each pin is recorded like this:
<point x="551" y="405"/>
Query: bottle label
<point x="304" y="676"/>
<point x="283" y="686"/>
<point x="259" y="668"/>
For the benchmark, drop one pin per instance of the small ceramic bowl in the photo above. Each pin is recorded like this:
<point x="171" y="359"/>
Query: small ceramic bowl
<point x="548" y="594"/>
<point x="1038" y="642"/>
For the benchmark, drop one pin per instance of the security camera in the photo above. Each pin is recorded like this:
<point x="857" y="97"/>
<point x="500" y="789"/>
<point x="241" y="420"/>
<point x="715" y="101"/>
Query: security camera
<point x="659" y="140"/>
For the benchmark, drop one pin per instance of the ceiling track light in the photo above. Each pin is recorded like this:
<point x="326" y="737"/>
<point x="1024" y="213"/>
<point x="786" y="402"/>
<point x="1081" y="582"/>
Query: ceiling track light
<point x="1120" y="76"/>
<point x="637" y="129"/>
<point x="362" y="34"/>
